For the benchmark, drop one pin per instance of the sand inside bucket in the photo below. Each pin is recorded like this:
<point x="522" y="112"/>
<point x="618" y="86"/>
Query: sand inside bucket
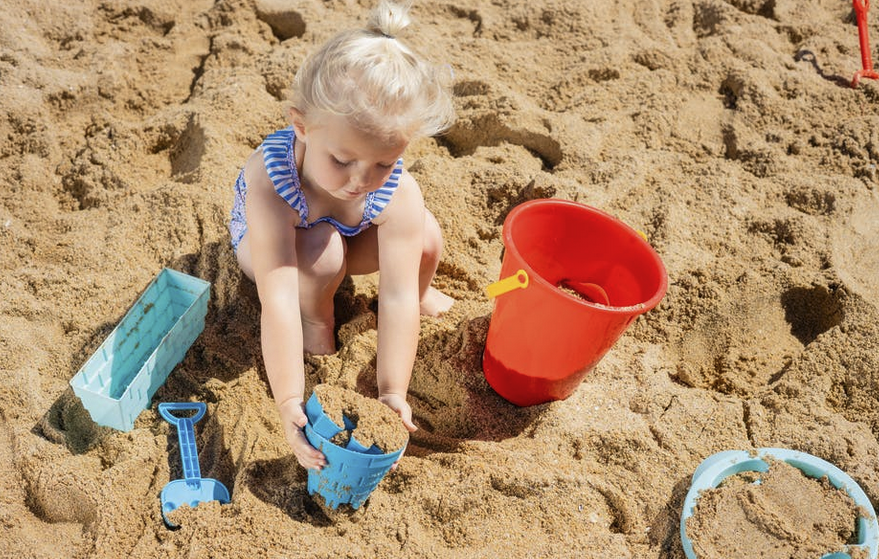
<point x="787" y="514"/>
<point x="376" y="424"/>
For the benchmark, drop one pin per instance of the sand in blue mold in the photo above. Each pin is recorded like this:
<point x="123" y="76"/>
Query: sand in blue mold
<point x="777" y="513"/>
<point x="369" y="438"/>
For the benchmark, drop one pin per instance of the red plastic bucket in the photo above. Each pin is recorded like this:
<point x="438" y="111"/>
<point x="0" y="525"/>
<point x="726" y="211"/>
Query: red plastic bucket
<point x="543" y="340"/>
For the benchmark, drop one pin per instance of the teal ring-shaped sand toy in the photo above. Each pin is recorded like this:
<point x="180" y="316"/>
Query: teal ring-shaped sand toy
<point x="718" y="467"/>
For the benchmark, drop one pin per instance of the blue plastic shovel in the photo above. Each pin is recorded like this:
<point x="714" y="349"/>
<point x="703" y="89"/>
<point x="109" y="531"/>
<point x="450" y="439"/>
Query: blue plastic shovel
<point x="194" y="489"/>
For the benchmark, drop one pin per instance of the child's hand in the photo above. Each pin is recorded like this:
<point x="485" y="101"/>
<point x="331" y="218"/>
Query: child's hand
<point x="398" y="403"/>
<point x="293" y="419"/>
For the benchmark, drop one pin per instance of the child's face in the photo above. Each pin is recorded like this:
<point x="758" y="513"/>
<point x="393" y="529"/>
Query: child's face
<point x="344" y="161"/>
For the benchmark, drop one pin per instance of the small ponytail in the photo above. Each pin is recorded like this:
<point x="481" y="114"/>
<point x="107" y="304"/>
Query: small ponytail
<point x="389" y="19"/>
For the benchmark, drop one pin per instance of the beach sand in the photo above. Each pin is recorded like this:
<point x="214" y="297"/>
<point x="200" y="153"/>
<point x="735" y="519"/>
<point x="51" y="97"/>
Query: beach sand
<point x="726" y="131"/>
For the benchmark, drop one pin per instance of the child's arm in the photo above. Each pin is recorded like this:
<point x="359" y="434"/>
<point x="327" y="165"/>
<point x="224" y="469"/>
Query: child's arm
<point x="270" y="223"/>
<point x="400" y="242"/>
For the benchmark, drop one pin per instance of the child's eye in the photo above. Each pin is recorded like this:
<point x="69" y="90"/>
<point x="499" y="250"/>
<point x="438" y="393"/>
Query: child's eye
<point x="339" y="163"/>
<point x="386" y="165"/>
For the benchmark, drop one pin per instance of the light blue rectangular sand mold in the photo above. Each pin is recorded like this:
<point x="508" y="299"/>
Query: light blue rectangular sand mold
<point x="120" y="378"/>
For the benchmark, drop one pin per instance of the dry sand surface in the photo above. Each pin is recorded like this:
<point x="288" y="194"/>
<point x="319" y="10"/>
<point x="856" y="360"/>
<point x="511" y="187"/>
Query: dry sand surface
<point x="724" y="130"/>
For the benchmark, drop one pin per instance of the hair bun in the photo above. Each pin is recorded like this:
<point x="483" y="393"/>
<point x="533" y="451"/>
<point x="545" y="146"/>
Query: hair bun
<point x="389" y="19"/>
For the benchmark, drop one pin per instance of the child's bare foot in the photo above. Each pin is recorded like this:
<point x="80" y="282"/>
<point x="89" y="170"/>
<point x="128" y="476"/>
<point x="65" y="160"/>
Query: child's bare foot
<point x="318" y="338"/>
<point x="435" y="302"/>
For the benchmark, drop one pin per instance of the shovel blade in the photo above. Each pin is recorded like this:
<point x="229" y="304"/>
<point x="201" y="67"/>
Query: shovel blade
<point x="191" y="492"/>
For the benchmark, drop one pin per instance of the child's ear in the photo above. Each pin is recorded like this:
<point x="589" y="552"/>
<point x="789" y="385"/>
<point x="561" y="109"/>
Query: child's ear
<point x="297" y="119"/>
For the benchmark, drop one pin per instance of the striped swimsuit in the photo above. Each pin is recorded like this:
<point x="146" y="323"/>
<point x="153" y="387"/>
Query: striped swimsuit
<point x="280" y="163"/>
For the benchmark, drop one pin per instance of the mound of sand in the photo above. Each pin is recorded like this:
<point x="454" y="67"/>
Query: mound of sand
<point x="723" y="129"/>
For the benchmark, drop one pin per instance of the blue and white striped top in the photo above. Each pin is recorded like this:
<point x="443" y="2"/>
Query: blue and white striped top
<point x="280" y="163"/>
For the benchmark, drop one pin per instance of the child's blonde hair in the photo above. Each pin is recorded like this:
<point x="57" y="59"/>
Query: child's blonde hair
<point x="376" y="81"/>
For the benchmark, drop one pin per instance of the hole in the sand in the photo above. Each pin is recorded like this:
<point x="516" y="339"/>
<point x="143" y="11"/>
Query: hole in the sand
<point x="281" y="483"/>
<point x="763" y="8"/>
<point x="731" y="90"/>
<point x="767" y="10"/>
<point x="653" y="59"/>
<point x="707" y="18"/>
<point x="468" y="88"/>
<point x="187" y="153"/>
<point x="782" y="231"/>
<point x="520" y="489"/>
<point x="68" y="422"/>
<point x="285" y="24"/>
<point x="811" y="311"/>
<point x="121" y="15"/>
<point x="730" y="142"/>
<point x="810" y="200"/>
<point x="488" y="130"/>
<point x="604" y="74"/>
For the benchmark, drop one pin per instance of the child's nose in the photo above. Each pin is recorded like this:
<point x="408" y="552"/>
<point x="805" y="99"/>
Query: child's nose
<point x="359" y="182"/>
<point x="361" y="179"/>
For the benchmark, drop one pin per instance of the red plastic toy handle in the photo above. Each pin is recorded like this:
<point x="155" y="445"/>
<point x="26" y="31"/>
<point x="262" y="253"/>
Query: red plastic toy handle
<point x="861" y="7"/>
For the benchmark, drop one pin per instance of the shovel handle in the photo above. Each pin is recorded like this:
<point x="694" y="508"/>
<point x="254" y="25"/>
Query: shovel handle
<point x="165" y="409"/>
<point x="185" y="434"/>
<point x="861" y="7"/>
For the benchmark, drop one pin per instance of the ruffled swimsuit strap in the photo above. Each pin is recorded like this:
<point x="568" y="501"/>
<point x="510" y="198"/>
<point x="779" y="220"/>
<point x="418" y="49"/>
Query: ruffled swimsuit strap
<point x="377" y="201"/>
<point x="280" y="161"/>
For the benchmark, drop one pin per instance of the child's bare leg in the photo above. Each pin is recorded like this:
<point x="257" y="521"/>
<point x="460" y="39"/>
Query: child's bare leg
<point x="243" y="256"/>
<point x="433" y="301"/>
<point x="320" y="253"/>
<point x="362" y="258"/>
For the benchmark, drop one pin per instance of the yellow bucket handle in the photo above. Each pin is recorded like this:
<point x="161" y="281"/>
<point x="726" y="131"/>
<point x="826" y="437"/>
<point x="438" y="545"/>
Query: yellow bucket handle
<point x="519" y="280"/>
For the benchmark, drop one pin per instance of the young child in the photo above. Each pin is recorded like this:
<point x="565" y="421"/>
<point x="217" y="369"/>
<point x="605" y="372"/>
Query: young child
<point x="329" y="197"/>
